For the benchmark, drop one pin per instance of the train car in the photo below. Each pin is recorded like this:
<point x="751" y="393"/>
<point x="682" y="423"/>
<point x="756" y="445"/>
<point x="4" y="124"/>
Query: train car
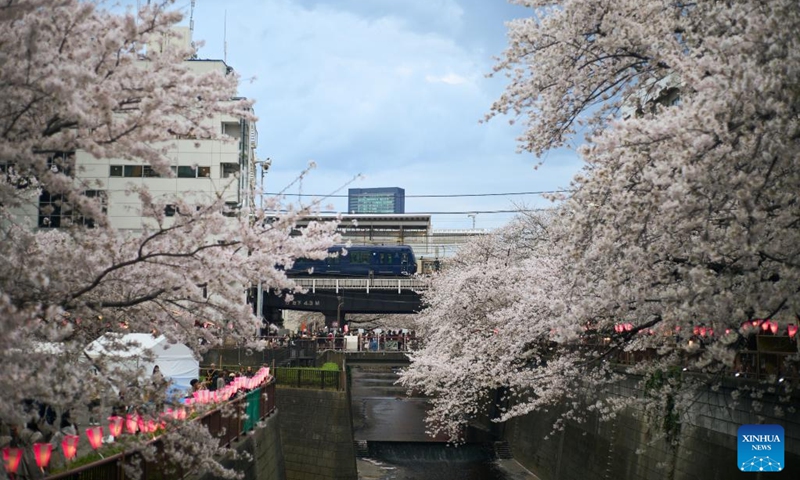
<point x="360" y="261"/>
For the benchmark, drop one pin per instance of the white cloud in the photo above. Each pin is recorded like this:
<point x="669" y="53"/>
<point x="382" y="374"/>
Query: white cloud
<point x="450" y="79"/>
<point x="384" y="88"/>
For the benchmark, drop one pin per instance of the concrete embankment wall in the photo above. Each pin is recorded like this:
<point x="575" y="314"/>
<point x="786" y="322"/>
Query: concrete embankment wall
<point x="264" y="446"/>
<point x="317" y="434"/>
<point x="630" y="447"/>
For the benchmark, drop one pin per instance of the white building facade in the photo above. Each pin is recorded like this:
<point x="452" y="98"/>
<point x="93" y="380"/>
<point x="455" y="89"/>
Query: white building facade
<point x="202" y="170"/>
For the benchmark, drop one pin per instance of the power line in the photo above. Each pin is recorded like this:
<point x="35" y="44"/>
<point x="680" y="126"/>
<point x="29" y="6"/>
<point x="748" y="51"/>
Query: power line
<point x="454" y="195"/>
<point x="484" y="212"/>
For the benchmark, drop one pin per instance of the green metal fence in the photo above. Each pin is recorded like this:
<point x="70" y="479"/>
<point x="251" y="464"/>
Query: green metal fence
<point x="308" y="378"/>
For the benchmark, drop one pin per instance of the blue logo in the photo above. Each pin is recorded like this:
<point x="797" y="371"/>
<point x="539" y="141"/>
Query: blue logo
<point x="760" y="448"/>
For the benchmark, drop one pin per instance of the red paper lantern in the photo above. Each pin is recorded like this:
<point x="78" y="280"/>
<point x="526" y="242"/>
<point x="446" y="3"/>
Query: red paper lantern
<point x="702" y="331"/>
<point x="11" y="458"/>
<point x="70" y="446"/>
<point x="628" y="328"/>
<point x="95" y="436"/>
<point x="131" y="423"/>
<point x="756" y="323"/>
<point x="115" y="426"/>
<point x="792" y="330"/>
<point x="765" y="325"/>
<point x="42" y="452"/>
<point x="773" y="327"/>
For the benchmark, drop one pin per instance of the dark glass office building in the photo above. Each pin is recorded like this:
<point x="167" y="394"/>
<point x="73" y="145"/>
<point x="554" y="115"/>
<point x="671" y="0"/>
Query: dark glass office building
<point x="376" y="200"/>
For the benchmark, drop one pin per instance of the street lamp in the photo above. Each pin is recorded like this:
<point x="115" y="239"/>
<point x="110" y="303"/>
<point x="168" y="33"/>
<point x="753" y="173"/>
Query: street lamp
<point x="473" y="215"/>
<point x="264" y="164"/>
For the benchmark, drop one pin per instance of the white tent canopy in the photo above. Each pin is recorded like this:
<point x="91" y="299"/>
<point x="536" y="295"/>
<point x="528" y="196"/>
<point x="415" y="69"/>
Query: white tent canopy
<point x="175" y="360"/>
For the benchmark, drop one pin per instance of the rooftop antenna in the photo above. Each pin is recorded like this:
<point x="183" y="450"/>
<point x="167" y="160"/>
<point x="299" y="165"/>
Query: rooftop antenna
<point x="191" y="24"/>
<point x="225" y="38"/>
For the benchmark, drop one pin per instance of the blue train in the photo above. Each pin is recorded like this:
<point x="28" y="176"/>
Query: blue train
<point x="360" y="261"/>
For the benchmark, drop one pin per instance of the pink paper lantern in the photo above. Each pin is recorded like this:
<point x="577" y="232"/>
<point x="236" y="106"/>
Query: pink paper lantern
<point x="132" y="423"/>
<point x="42" y="452"/>
<point x="11" y="458"/>
<point x="115" y="426"/>
<point x="69" y="445"/>
<point x="773" y="327"/>
<point x="792" y="329"/>
<point x="95" y="436"/>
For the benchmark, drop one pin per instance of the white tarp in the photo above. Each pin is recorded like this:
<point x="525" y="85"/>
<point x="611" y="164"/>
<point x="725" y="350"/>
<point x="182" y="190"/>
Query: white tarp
<point x="175" y="361"/>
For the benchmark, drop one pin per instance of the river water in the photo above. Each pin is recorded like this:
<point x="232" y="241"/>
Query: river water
<point x="432" y="461"/>
<point x="392" y="424"/>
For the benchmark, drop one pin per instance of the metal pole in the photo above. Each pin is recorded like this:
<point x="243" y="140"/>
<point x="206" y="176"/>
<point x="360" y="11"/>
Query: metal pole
<point x="260" y="306"/>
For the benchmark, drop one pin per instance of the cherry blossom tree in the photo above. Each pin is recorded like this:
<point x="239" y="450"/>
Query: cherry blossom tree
<point x="684" y="217"/>
<point x="76" y="77"/>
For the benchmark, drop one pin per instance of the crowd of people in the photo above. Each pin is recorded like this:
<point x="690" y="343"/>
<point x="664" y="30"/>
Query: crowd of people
<point x="340" y="339"/>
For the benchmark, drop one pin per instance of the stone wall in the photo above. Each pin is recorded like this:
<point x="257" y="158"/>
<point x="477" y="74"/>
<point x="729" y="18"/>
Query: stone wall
<point x="264" y="446"/>
<point x="317" y="434"/>
<point x="629" y="447"/>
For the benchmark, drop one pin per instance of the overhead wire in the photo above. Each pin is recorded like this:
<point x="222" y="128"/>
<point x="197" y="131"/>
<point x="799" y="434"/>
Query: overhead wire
<point x="443" y="195"/>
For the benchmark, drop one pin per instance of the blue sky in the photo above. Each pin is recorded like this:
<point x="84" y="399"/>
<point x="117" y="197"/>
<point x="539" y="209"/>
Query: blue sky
<point x="393" y="90"/>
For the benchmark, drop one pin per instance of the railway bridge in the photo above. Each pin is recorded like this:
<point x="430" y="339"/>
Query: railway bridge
<point x="335" y="297"/>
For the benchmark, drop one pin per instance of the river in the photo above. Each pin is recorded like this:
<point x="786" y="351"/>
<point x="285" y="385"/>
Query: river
<point x="432" y="461"/>
<point x="391" y="423"/>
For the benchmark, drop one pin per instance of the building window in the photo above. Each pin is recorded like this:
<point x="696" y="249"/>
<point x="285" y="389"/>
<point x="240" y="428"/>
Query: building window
<point x="194" y="172"/>
<point x="51" y="208"/>
<point x="187" y="172"/>
<point x="55" y="212"/>
<point x="133" y="171"/>
<point x="229" y="169"/>
<point x="148" y="171"/>
<point x="102" y="197"/>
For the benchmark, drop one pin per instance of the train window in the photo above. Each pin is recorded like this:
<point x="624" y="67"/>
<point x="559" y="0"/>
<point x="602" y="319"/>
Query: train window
<point x="359" y="257"/>
<point x="404" y="258"/>
<point x="334" y="259"/>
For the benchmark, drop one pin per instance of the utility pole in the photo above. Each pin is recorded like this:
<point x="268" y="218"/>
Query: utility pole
<point x="473" y="215"/>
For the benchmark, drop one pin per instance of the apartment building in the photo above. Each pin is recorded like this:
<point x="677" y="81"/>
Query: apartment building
<point x="201" y="170"/>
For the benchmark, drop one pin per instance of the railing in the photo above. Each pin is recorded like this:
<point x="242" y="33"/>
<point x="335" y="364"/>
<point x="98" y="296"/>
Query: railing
<point x="257" y="404"/>
<point x="366" y="284"/>
<point x="760" y="363"/>
<point x="308" y="378"/>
